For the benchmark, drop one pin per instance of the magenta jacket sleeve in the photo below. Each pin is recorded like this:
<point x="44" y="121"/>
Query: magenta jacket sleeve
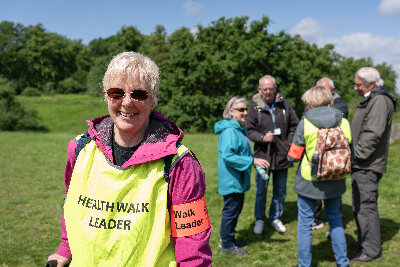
<point x="63" y="249"/>
<point x="187" y="184"/>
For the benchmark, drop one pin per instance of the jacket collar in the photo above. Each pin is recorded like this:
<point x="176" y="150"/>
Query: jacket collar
<point x="159" y="141"/>
<point x="256" y="98"/>
<point x="379" y="90"/>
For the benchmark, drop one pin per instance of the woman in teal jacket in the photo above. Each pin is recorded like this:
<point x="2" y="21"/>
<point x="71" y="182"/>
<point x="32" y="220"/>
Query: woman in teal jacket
<point x="235" y="159"/>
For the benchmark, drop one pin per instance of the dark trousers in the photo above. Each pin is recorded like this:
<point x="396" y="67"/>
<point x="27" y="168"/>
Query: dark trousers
<point x="233" y="204"/>
<point x="365" y="208"/>
<point x="318" y="209"/>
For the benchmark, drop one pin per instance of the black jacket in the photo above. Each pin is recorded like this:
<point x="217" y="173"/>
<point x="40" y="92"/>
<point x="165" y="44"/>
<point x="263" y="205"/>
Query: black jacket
<point x="259" y="122"/>
<point x="339" y="104"/>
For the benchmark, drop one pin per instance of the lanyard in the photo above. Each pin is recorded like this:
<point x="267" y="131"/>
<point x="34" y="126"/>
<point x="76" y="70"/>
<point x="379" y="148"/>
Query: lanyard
<point x="271" y="111"/>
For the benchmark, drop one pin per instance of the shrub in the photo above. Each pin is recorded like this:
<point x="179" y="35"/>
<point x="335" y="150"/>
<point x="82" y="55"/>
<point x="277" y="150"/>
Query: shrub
<point x="50" y="88"/>
<point x="14" y="117"/>
<point x="95" y="75"/>
<point x="31" y="91"/>
<point x="70" y="86"/>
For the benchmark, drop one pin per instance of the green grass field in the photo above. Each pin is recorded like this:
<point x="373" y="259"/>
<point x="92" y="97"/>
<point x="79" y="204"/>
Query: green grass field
<point x="32" y="191"/>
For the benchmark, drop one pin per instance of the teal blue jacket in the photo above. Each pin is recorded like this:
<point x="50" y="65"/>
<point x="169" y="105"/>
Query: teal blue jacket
<point x="235" y="157"/>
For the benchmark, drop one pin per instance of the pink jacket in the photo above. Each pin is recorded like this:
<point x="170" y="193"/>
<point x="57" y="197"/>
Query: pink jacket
<point x="160" y="141"/>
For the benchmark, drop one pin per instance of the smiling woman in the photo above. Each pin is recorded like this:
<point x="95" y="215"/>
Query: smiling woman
<point x="132" y="155"/>
<point x="235" y="159"/>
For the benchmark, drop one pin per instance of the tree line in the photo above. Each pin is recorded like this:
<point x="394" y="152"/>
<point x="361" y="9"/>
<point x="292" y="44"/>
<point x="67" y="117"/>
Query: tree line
<point x="200" y="71"/>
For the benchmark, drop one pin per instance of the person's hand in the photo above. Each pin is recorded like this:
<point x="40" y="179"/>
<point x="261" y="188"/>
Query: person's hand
<point x="262" y="162"/>
<point x="268" y="137"/>
<point x="61" y="261"/>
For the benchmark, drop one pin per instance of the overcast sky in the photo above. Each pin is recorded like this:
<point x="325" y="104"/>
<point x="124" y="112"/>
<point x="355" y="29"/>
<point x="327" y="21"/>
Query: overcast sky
<point x="357" y="28"/>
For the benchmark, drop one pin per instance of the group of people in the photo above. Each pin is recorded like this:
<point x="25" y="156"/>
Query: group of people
<point x="280" y="138"/>
<point x="135" y="195"/>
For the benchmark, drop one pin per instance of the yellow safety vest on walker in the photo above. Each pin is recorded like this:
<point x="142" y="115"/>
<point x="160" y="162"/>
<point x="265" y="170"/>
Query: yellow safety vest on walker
<point x="118" y="216"/>
<point x="310" y="137"/>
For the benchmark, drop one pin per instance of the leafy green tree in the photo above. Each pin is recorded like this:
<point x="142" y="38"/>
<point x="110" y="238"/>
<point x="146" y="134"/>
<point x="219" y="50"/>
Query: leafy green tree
<point x="12" y="38"/>
<point x="155" y="46"/>
<point x="47" y="57"/>
<point x="95" y="75"/>
<point x="128" y="38"/>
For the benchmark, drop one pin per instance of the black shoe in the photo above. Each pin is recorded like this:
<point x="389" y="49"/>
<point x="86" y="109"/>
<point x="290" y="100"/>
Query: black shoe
<point x="234" y="250"/>
<point x="241" y="244"/>
<point x="360" y="257"/>
<point x="356" y="245"/>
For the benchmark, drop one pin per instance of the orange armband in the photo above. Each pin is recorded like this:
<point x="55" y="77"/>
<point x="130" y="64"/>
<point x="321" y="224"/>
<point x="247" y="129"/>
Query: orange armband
<point x="189" y="218"/>
<point x="296" y="151"/>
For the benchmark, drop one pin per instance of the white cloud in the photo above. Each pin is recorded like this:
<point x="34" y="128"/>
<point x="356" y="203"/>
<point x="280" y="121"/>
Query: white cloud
<point x="389" y="8"/>
<point x="357" y="45"/>
<point x="362" y="45"/>
<point x="194" y="31"/>
<point x="192" y="8"/>
<point x="309" y="29"/>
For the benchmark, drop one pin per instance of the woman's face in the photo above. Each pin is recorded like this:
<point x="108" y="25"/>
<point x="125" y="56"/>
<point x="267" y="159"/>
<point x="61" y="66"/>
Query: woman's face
<point x="130" y="116"/>
<point x="239" y="113"/>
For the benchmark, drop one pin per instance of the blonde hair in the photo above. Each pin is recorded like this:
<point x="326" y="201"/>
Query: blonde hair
<point x="231" y="105"/>
<point x="127" y="67"/>
<point x="317" y="96"/>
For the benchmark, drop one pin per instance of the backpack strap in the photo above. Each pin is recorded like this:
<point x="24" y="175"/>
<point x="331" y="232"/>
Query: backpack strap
<point x="81" y="141"/>
<point x="171" y="161"/>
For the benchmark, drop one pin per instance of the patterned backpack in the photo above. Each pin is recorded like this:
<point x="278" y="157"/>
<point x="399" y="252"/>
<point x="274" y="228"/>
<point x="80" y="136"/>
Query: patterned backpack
<point x="333" y="155"/>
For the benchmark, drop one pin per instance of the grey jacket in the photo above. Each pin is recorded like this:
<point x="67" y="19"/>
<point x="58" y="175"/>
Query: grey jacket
<point x="370" y="129"/>
<point x="322" y="117"/>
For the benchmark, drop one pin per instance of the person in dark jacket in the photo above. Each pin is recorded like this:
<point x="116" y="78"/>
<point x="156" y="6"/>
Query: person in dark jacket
<point x="341" y="105"/>
<point x="271" y="123"/>
<point x="370" y="128"/>
<point x="235" y="159"/>
<point x="320" y="114"/>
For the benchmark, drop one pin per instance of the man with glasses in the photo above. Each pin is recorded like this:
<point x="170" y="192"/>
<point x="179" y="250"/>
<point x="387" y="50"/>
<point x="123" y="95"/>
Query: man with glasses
<point x="370" y="130"/>
<point x="271" y="123"/>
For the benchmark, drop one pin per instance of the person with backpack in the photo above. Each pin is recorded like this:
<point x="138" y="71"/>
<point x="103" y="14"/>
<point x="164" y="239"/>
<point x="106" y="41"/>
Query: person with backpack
<point x="370" y="127"/>
<point x="235" y="159"/>
<point x="134" y="193"/>
<point x="341" y="105"/>
<point x="322" y="144"/>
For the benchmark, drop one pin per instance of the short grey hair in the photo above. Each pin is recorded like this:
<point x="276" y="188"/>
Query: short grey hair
<point x="369" y="75"/>
<point x="330" y="81"/>
<point x="267" y="77"/>
<point x="232" y="103"/>
<point x="128" y="66"/>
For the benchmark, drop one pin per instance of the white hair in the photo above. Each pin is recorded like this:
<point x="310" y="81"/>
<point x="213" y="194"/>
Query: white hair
<point x="266" y="77"/>
<point x="128" y="66"/>
<point x="330" y="81"/>
<point x="369" y="75"/>
<point x="232" y="103"/>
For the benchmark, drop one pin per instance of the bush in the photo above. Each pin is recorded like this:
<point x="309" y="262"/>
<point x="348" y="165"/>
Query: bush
<point x="70" y="86"/>
<point x="50" y="88"/>
<point x="14" y="117"/>
<point x="31" y="91"/>
<point x="95" y="75"/>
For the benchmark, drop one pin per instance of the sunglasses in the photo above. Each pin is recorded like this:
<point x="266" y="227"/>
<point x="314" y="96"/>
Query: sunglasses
<point x="118" y="93"/>
<point x="241" y="109"/>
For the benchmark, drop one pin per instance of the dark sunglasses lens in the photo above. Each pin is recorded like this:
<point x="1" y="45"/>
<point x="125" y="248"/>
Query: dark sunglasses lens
<point x="242" y="109"/>
<point x="139" y="95"/>
<point x="115" y="93"/>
